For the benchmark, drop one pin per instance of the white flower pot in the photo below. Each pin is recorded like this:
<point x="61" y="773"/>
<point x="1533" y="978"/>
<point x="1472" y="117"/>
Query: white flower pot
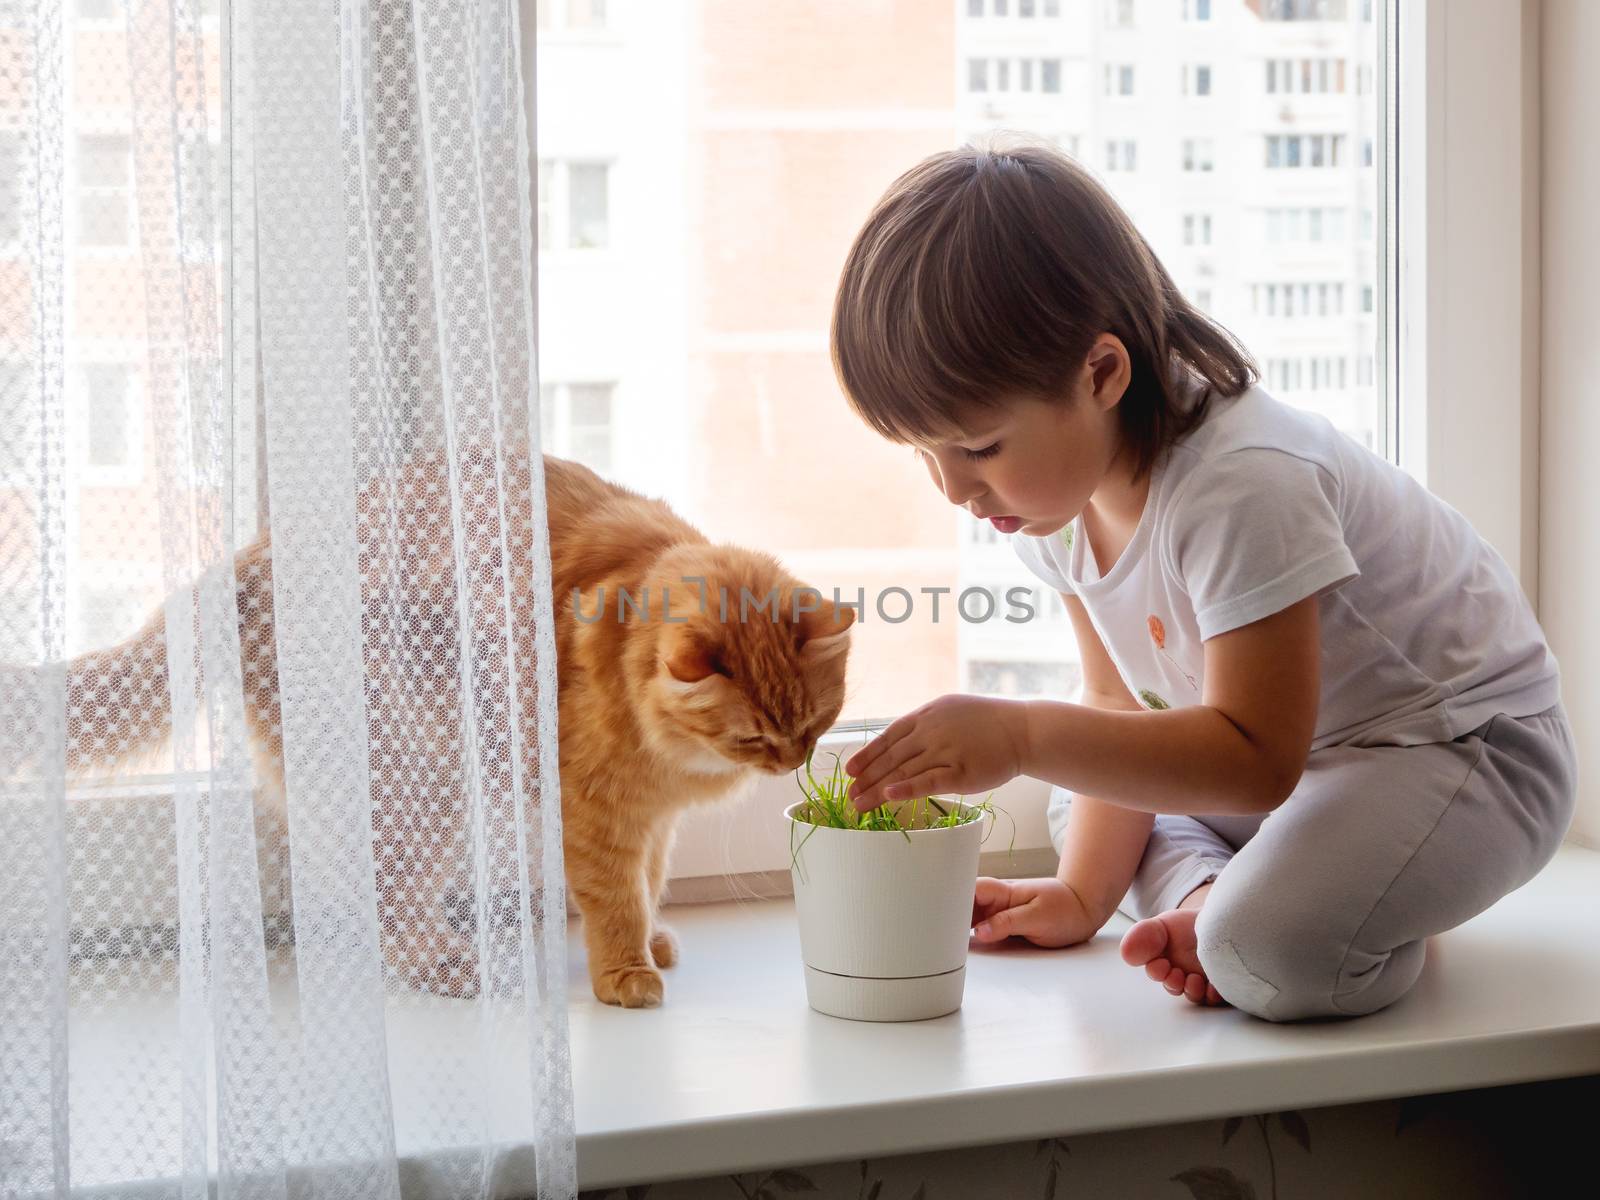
<point x="885" y="917"/>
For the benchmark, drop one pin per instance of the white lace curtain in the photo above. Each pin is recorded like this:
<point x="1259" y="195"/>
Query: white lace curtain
<point x="266" y="282"/>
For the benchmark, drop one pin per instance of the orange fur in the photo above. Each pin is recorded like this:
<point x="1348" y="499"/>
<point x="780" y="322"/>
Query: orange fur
<point x="655" y="715"/>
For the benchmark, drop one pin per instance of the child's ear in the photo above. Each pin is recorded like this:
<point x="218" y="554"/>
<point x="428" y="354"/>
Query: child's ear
<point x="1109" y="369"/>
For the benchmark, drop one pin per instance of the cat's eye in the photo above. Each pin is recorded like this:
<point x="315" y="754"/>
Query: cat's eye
<point x="988" y="451"/>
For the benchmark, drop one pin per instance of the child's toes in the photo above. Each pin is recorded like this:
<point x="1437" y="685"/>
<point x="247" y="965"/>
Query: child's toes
<point x="1144" y="942"/>
<point x="1214" y="997"/>
<point x="1158" y="969"/>
<point x="1194" y="989"/>
<point x="1175" y="981"/>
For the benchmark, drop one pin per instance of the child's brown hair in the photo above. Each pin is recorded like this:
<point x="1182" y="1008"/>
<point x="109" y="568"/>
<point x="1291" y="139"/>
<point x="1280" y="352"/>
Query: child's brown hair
<point x="987" y="272"/>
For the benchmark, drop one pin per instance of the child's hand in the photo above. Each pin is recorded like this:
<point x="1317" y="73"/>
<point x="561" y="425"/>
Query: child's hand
<point x="1044" y="911"/>
<point x="953" y="745"/>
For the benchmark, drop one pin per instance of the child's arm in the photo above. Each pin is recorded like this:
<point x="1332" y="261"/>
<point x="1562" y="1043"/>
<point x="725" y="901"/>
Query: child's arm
<point x="1104" y="842"/>
<point x="1241" y="750"/>
<point x="1102" y="847"/>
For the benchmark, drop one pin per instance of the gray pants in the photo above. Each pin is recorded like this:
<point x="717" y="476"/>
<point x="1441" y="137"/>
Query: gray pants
<point x="1321" y="908"/>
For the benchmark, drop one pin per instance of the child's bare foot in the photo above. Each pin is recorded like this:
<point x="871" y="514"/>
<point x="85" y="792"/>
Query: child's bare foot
<point x="1164" y="945"/>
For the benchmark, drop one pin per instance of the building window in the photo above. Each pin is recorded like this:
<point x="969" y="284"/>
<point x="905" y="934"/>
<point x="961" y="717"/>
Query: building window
<point x="1052" y="8"/>
<point x="1316" y="373"/>
<point x="977" y="75"/>
<point x="576" y="420"/>
<point x="1289" y="76"/>
<point x="108" y="414"/>
<point x="1293" y="150"/>
<point x="1025" y="8"/>
<point x="1122" y="154"/>
<point x="20" y="415"/>
<point x="974" y="8"/>
<point x="105" y="190"/>
<point x="1002" y="74"/>
<point x="1290" y="225"/>
<point x="570" y="14"/>
<point x="574" y="205"/>
<point x="1366" y="297"/>
<point x="1309" y="299"/>
<point x="10" y="189"/>
<point x="1119" y="14"/>
<point x="1119" y="79"/>
<point x="1197" y="10"/>
<point x="1050" y="75"/>
<point x="1197" y="229"/>
<point x="1196" y="79"/>
<point x="1303" y="10"/>
<point x="1198" y="154"/>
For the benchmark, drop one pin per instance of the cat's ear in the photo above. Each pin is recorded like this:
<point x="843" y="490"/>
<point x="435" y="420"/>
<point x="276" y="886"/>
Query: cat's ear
<point x="692" y="657"/>
<point x="825" y="628"/>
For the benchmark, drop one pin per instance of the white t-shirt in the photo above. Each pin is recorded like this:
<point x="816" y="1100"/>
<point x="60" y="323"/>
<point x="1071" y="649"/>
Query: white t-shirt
<point x="1425" y="631"/>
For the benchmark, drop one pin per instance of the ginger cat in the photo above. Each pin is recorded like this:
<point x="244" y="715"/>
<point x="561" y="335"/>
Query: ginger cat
<point x="656" y="715"/>
<point x="658" y="711"/>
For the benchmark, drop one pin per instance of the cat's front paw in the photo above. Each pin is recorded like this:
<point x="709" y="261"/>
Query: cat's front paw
<point x="664" y="946"/>
<point x="632" y="986"/>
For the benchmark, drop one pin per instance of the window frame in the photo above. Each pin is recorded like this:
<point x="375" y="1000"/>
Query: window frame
<point x="1466" y="330"/>
<point x="1439" y="60"/>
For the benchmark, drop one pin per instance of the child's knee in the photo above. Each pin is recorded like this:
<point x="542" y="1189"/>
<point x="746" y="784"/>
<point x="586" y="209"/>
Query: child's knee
<point x="1245" y="967"/>
<point x="1286" y="966"/>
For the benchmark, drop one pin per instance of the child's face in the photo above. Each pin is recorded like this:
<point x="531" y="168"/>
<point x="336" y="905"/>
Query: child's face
<point x="1029" y="465"/>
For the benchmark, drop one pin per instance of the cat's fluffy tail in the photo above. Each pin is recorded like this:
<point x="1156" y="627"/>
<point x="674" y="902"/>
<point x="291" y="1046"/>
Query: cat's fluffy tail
<point x="118" y="709"/>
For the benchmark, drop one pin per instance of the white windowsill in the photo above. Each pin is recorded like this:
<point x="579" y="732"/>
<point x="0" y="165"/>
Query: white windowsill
<point x="735" y="1072"/>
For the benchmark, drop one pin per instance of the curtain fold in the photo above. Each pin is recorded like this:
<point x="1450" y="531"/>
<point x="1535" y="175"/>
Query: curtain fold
<point x="282" y="908"/>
